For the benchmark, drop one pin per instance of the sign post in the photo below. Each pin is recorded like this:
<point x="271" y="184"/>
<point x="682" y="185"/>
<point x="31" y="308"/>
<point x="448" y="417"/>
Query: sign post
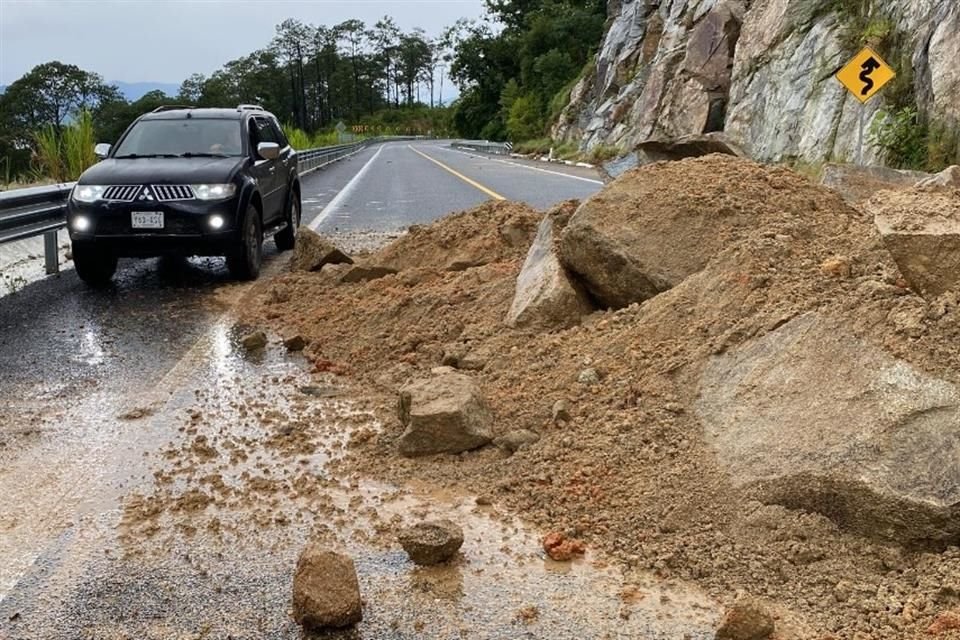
<point x="864" y="76"/>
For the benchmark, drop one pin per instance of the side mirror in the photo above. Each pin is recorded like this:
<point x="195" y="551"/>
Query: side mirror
<point x="268" y="150"/>
<point x="101" y="150"/>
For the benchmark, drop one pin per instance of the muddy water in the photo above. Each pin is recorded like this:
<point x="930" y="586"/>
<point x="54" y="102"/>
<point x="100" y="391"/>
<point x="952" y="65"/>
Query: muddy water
<point x="186" y="515"/>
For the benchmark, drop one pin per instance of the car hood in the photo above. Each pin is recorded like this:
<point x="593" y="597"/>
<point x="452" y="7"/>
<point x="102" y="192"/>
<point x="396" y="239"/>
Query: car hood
<point x="162" y="171"/>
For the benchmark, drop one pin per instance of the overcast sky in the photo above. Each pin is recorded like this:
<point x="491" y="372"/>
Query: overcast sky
<point x="167" y="40"/>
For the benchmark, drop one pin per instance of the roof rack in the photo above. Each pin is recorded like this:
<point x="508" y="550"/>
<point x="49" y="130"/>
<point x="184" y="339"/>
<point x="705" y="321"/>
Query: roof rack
<point x="250" y="107"/>
<point x="171" y="107"/>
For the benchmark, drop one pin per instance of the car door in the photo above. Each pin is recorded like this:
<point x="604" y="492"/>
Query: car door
<point x="268" y="173"/>
<point x="288" y="157"/>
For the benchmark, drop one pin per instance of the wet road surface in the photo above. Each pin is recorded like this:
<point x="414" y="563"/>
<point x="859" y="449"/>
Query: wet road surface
<point x="158" y="483"/>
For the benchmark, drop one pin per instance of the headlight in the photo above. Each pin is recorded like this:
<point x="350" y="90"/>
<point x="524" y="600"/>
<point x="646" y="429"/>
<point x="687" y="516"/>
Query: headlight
<point x="213" y="191"/>
<point x="88" y="192"/>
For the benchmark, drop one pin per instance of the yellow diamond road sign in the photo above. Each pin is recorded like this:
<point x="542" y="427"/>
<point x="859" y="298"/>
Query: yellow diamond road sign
<point x="866" y="74"/>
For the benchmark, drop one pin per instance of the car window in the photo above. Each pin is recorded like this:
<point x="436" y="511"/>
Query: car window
<point x="278" y="131"/>
<point x="182" y="136"/>
<point x="265" y="131"/>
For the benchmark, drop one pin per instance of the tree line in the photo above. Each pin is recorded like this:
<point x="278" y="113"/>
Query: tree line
<point x="514" y="71"/>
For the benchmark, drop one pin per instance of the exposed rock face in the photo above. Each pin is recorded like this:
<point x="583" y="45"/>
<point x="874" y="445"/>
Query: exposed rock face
<point x="546" y="297"/>
<point x="761" y="71"/>
<point x="326" y="592"/>
<point x="313" y="251"/>
<point x="445" y="413"/>
<point x="433" y="542"/>
<point x="921" y="229"/>
<point x="811" y="417"/>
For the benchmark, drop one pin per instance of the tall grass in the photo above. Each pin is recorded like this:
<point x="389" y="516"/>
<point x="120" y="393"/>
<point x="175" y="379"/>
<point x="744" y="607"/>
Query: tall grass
<point x="78" y="142"/>
<point x="47" y="159"/>
<point x="297" y="138"/>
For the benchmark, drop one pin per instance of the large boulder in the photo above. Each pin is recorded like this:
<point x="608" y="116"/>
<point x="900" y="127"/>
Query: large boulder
<point x="810" y="416"/>
<point x="546" y="297"/>
<point x="921" y="229"/>
<point x="657" y="225"/>
<point x="688" y="146"/>
<point x="326" y="592"/>
<point x="445" y="413"/>
<point x="313" y="251"/>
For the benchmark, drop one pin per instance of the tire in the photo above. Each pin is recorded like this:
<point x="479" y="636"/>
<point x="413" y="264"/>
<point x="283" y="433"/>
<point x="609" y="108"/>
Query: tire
<point x="287" y="239"/>
<point x="244" y="262"/>
<point x="96" y="268"/>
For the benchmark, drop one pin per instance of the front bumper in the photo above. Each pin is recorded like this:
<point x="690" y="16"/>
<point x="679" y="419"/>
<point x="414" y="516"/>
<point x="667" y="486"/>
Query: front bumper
<point x="187" y="229"/>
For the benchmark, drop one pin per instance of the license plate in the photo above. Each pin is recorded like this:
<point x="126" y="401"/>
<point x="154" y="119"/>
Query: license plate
<point x="146" y="219"/>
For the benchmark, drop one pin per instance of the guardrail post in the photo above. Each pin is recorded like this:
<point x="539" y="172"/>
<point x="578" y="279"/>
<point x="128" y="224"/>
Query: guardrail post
<point x="51" y="253"/>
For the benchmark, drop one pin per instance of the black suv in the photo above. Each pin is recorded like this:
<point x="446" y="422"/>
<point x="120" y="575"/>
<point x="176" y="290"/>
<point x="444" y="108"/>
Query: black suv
<point x="184" y="181"/>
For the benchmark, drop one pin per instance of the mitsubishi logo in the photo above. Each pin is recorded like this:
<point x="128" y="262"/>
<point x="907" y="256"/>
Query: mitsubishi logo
<point x="146" y="194"/>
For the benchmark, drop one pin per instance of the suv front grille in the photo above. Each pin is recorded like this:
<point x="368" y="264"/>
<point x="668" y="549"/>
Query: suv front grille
<point x="170" y="192"/>
<point x="160" y="192"/>
<point x="122" y="192"/>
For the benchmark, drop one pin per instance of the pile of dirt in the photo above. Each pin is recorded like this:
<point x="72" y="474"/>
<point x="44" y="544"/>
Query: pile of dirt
<point x="632" y="471"/>
<point x="493" y="232"/>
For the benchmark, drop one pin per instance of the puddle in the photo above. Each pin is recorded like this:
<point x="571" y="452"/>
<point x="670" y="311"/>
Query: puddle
<point x="192" y="511"/>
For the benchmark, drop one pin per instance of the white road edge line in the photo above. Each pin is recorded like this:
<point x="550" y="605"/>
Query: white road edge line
<point x="522" y="166"/>
<point x="344" y="193"/>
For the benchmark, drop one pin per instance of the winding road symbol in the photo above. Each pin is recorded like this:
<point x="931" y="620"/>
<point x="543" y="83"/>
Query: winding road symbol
<point x="866" y="74"/>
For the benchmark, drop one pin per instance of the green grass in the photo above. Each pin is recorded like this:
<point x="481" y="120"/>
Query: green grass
<point x="77" y="144"/>
<point x="297" y="138"/>
<point x="47" y="161"/>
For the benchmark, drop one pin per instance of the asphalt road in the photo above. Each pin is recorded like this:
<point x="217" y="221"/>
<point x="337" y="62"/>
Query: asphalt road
<point x="94" y="385"/>
<point x="401" y="184"/>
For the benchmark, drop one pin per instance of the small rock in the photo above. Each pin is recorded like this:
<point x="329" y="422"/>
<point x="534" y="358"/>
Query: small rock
<point x="516" y="439"/>
<point x="254" y="341"/>
<point x="313" y="251"/>
<point x="943" y="622"/>
<point x="365" y="273"/>
<point x="295" y="342"/>
<point x="589" y="376"/>
<point x="745" y="620"/>
<point x="484" y="501"/>
<point x="838" y="267"/>
<point x="445" y="413"/>
<point x="432" y="542"/>
<point x="561" y="548"/>
<point x="560" y="411"/>
<point x="948" y="178"/>
<point x="326" y="592"/>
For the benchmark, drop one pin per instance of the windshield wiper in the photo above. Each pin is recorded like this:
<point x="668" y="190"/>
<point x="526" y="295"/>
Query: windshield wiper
<point x="203" y="155"/>
<point x="145" y="155"/>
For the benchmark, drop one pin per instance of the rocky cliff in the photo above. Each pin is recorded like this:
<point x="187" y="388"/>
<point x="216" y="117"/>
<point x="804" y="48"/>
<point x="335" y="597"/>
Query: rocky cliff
<point x="762" y="71"/>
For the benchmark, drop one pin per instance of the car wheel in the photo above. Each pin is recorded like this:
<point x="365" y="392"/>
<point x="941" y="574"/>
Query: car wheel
<point x="244" y="262"/>
<point x="94" y="267"/>
<point x="287" y="239"/>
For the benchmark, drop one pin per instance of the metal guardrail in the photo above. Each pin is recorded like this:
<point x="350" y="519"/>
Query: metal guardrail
<point x="25" y="213"/>
<point x="34" y="211"/>
<point x="484" y="146"/>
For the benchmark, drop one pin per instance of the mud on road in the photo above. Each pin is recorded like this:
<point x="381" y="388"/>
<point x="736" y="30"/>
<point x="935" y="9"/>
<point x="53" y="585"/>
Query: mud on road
<point x="176" y="509"/>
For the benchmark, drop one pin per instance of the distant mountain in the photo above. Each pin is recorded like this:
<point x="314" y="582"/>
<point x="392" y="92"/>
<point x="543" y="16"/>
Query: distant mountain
<point x="136" y="90"/>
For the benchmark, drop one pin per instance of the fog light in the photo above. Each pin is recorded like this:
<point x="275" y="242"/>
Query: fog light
<point x="81" y="223"/>
<point x="216" y="222"/>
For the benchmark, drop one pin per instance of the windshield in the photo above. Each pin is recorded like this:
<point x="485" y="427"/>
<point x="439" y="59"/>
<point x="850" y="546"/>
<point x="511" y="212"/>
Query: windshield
<point x="182" y="137"/>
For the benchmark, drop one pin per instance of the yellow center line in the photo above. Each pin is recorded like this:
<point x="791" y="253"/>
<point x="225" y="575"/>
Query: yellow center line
<point x="472" y="183"/>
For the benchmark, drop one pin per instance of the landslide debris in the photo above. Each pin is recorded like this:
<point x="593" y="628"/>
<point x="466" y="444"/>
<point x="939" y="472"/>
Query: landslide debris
<point x="771" y="292"/>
